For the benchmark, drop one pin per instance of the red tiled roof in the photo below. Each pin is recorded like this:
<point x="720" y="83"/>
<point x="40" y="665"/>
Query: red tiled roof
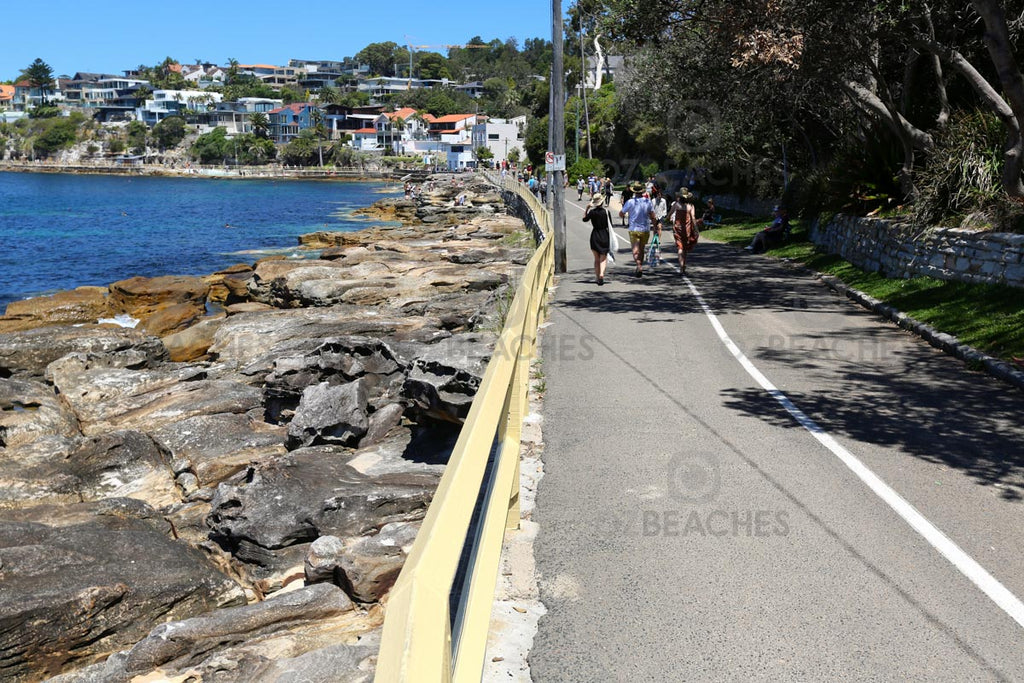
<point x="403" y="113"/>
<point x="364" y="131"/>
<point x="6" y="92"/>
<point x="453" y="118"/>
<point x="295" y="107"/>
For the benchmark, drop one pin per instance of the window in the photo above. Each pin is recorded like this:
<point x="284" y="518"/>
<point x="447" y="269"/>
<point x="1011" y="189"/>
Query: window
<point x="493" y="136"/>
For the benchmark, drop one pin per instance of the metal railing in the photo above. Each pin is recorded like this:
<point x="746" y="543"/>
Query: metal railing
<point x="439" y="610"/>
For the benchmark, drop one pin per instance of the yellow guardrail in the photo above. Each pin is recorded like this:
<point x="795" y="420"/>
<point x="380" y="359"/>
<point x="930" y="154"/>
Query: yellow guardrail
<point x="424" y="638"/>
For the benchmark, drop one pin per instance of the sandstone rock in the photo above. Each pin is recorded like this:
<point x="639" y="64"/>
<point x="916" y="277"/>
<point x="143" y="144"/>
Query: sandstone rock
<point x="30" y="352"/>
<point x="330" y="415"/>
<point x="381" y="422"/>
<point x="248" y="307"/>
<point x="370" y="565"/>
<point x="336" y="360"/>
<point x="179" y="644"/>
<point x="445" y="378"/>
<point x="28" y="410"/>
<point x="78" y="582"/>
<point x="214" y="447"/>
<point x="171" y="319"/>
<point x="142" y="296"/>
<point x="365" y="567"/>
<point x="229" y="285"/>
<point x="105" y="399"/>
<point x="192" y="343"/>
<point x="81" y="305"/>
<point x="268" y="518"/>
<point x="62" y="471"/>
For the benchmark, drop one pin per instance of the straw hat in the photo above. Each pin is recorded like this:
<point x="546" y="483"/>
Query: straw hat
<point x="637" y="187"/>
<point x="596" y="200"/>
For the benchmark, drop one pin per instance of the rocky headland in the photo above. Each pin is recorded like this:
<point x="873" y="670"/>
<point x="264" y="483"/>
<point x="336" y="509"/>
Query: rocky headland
<point x="228" y="490"/>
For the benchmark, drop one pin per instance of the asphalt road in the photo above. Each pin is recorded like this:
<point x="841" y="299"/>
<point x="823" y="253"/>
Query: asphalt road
<point x="693" y="529"/>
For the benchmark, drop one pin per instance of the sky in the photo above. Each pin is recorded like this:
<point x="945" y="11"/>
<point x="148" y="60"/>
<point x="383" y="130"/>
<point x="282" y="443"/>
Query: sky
<point x="109" y="36"/>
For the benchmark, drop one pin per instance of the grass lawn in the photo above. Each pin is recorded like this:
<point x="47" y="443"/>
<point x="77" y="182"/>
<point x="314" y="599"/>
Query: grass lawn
<point x="987" y="317"/>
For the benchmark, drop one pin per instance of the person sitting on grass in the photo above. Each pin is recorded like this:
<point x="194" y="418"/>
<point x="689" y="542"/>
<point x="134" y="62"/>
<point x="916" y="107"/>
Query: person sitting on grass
<point x="773" y="234"/>
<point x="709" y="213"/>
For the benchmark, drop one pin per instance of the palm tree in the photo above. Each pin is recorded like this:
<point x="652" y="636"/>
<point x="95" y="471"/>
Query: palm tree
<point x="317" y="119"/>
<point x="260" y="124"/>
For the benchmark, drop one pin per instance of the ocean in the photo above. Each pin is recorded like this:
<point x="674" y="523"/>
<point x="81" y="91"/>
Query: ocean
<point x="64" y="231"/>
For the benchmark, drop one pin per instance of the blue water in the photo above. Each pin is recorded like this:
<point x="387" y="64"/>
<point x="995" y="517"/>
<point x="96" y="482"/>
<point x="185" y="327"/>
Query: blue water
<point x="64" y="231"/>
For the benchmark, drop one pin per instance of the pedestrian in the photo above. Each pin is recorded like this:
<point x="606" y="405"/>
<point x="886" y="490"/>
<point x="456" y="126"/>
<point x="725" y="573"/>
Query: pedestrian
<point x="627" y="193"/>
<point x="641" y="214"/>
<point x="607" y="192"/>
<point x="774" y="234"/>
<point x="660" y="213"/>
<point x="600" y="234"/>
<point x="580" y="186"/>
<point x="684" y="227"/>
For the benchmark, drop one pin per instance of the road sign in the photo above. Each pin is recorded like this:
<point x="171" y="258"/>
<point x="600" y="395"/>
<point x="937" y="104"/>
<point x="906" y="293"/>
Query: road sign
<point x="554" y="162"/>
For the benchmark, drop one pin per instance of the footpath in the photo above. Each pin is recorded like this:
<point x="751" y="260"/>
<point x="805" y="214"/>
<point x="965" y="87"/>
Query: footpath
<point x="747" y="476"/>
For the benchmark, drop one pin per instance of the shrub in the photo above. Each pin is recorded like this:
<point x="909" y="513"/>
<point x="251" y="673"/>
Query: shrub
<point x="963" y="175"/>
<point x="585" y="167"/>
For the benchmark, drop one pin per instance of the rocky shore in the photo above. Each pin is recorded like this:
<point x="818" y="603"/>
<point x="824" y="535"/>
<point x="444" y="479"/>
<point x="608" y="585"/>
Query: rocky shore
<point x="228" y="490"/>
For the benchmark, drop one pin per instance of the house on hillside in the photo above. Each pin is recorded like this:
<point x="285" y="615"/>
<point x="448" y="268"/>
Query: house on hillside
<point x="276" y="76"/>
<point x="164" y="103"/>
<point x="500" y="135"/>
<point x="235" y="117"/>
<point x="26" y="96"/>
<point x="6" y="97"/>
<point x="448" y="141"/>
<point x="287" y="121"/>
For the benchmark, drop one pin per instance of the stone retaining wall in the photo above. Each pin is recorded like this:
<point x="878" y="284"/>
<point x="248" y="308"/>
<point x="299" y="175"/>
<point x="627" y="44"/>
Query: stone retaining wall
<point x="905" y="251"/>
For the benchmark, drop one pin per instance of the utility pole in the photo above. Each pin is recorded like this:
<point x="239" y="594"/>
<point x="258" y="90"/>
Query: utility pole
<point x="558" y="133"/>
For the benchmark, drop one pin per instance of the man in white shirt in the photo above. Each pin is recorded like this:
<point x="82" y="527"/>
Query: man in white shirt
<point x="641" y="212"/>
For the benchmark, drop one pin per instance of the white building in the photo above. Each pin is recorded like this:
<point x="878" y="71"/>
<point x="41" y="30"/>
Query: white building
<point x="500" y="135"/>
<point x="164" y="103"/>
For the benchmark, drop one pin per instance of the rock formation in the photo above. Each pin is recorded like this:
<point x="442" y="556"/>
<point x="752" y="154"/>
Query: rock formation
<point x="228" y="496"/>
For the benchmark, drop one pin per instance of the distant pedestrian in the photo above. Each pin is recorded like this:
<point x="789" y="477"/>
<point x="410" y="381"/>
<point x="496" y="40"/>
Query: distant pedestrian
<point x="580" y="186"/>
<point x="607" y="190"/>
<point x="660" y="213"/>
<point x="627" y="193"/>
<point x="600" y="234"/>
<point x="684" y="227"/>
<point x="641" y="214"/>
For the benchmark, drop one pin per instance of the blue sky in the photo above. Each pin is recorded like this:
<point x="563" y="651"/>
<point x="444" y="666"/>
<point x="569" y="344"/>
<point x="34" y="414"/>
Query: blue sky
<point x="114" y="35"/>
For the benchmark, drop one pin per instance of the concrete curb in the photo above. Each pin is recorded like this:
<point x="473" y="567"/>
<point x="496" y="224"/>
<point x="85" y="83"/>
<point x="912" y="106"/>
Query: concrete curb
<point x="999" y="369"/>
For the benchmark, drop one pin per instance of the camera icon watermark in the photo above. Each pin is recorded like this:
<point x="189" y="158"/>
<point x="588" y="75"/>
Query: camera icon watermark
<point x="694" y="477"/>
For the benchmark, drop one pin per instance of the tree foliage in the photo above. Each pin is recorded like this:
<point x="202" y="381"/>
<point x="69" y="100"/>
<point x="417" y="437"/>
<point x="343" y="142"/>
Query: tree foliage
<point x="169" y="132"/>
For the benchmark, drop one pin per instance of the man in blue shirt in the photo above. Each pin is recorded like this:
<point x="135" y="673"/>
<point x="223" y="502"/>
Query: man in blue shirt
<point x="773" y="234"/>
<point x="640" y="211"/>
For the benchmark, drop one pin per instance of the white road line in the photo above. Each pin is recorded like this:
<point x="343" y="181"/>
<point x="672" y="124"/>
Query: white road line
<point x="970" y="568"/>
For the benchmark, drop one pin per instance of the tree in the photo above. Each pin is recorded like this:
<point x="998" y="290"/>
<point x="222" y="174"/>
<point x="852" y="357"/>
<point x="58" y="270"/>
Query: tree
<point x="483" y="153"/>
<point x="58" y="134"/>
<point x="380" y="57"/>
<point x="169" y="132"/>
<point x="316" y="117"/>
<point x="260" y="124"/>
<point x="137" y="133"/>
<point x="39" y="75"/>
<point x="431" y="65"/>
<point x="212" y="147"/>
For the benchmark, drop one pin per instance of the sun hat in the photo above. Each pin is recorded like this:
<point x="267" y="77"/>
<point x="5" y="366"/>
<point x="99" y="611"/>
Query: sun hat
<point x="685" y="194"/>
<point x="637" y="186"/>
<point x="596" y="200"/>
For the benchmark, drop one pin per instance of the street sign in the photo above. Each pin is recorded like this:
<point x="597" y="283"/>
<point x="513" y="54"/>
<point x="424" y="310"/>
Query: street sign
<point x="554" y="162"/>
